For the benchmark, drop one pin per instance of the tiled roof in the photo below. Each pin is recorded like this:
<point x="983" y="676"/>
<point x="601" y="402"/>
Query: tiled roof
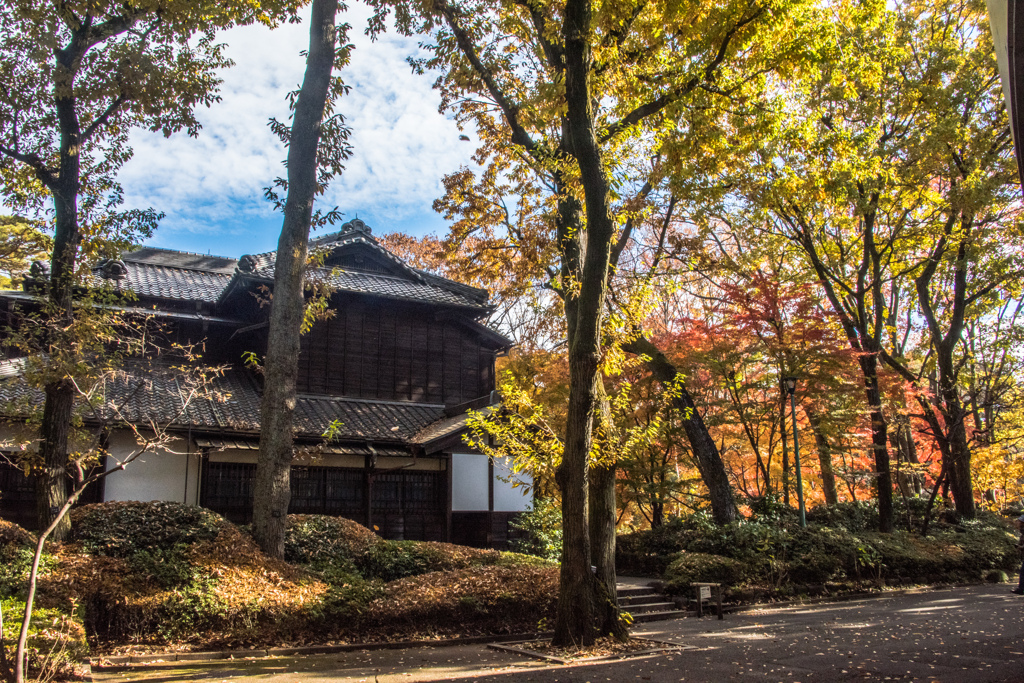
<point x="184" y="276"/>
<point x="418" y="285"/>
<point x="145" y="279"/>
<point x="181" y="259"/>
<point x="144" y="394"/>
<point x="380" y="420"/>
<point x="446" y="427"/>
<point x="389" y="286"/>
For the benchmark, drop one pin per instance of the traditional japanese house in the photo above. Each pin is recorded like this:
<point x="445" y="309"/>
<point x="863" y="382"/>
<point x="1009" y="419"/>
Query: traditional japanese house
<point x="391" y="374"/>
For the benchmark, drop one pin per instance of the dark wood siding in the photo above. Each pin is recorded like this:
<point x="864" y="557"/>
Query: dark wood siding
<point x="409" y="505"/>
<point x="485" y="529"/>
<point x="18" y="495"/>
<point x="394" y="352"/>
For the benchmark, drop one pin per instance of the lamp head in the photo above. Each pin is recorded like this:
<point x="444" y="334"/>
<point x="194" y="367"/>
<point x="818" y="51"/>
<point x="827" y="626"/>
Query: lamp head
<point x="789" y="383"/>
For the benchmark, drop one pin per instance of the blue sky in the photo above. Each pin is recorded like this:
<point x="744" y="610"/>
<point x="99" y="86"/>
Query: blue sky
<point x="211" y="188"/>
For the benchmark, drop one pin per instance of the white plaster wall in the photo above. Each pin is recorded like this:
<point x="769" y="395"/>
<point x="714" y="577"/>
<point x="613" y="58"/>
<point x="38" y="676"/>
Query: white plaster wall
<point x="507" y="497"/>
<point x="234" y="455"/>
<point x="469" y="482"/>
<point x="469" y="485"/>
<point x="159" y="475"/>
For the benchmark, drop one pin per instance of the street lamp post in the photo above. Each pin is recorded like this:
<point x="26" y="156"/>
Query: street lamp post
<point x="791" y="389"/>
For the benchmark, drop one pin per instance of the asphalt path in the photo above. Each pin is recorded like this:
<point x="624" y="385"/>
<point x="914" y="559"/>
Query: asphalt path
<point x="960" y="635"/>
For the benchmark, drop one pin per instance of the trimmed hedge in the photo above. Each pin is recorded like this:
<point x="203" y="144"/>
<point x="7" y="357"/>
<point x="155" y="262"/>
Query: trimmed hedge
<point x="339" y="547"/>
<point x="123" y="529"/>
<point x="164" y="574"/>
<point x="774" y="556"/>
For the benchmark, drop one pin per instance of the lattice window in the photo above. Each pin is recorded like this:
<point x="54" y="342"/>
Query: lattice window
<point x="18" y="494"/>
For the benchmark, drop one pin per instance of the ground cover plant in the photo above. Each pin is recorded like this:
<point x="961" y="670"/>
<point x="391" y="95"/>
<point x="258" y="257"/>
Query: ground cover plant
<point x="768" y="556"/>
<point x="142" y="576"/>
<point x="56" y="642"/>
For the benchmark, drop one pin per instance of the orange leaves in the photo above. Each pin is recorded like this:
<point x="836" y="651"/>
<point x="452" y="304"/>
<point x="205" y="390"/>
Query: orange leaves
<point x="495" y="599"/>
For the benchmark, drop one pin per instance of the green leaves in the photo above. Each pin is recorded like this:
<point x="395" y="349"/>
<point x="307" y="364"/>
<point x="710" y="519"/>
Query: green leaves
<point x="114" y="66"/>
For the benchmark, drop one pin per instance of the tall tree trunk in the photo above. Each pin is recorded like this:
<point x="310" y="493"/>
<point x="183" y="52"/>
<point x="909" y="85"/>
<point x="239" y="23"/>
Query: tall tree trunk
<point x="602" y="523"/>
<point x="272" y="492"/>
<point x="907" y="435"/>
<point x="709" y="461"/>
<point x="879" y="442"/>
<point x="785" y="446"/>
<point x="574" y="619"/>
<point x="602" y="520"/>
<point x="51" y="487"/>
<point x="52" y="484"/>
<point x="602" y="542"/>
<point x="828" y="477"/>
<point x="602" y="491"/>
<point x="959" y="466"/>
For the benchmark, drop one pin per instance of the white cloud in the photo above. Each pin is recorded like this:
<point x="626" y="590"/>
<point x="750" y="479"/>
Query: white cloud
<point x="211" y="188"/>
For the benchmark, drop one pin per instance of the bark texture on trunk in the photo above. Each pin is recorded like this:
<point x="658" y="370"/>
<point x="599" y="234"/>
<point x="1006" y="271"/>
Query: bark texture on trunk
<point x="785" y="446"/>
<point x="55" y="430"/>
<point x="272" y="492"/>
<point x="879" y="442"/>
<point x="602" y="543"/>
<point x="709" y="461"/>
<point x="52" y="486"/>
<point x="602" y="519"/>
<point x="957" y="454"/>
<point x="574" y="619"/>
<point x="959" y="466"/>
<point x="828" y="477"/>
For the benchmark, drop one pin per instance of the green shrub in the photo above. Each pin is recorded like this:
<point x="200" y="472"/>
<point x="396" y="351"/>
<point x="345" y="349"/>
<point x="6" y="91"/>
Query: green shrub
<point x="947" y="557"/>
<point x="56" y="640"/>
<point x="341" y="551"/>
<point x="345" y="601"/>
<point x="15" y="562"/>
<point x="687" y="568"/>
<point x="321" y="540"/>
<point x="541" y="530"/>
<point x="781" y="558"/>
<point x="125" y="528"/>
<point x="649" y="552"/>
<point x="12" y="534"/>
<point x="851" y="516"/>
<point x="819" y="555"/>
<point x="510" y="559"/>
<point x="772" y="509"/>
<point x="391" y="560"/>
<point x="166" y="568"/>
<point x="194" y="607"/>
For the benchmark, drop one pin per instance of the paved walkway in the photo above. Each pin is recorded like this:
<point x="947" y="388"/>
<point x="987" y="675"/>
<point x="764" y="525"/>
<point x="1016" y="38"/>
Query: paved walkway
<point x="962" y="635"/>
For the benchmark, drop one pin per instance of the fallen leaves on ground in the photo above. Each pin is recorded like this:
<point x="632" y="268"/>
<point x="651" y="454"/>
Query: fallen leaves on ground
<point x="603" y="647"/>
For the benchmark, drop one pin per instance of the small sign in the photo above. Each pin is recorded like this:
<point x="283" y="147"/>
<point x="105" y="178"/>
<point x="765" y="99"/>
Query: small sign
<point x="705" y="592"/>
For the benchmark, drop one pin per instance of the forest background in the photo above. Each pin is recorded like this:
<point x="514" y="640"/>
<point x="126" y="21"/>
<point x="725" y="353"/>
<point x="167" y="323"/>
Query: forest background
<point x="849" y="218"/>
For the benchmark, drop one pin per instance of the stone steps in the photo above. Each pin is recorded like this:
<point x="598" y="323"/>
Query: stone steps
<point x="646" y="604"/>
